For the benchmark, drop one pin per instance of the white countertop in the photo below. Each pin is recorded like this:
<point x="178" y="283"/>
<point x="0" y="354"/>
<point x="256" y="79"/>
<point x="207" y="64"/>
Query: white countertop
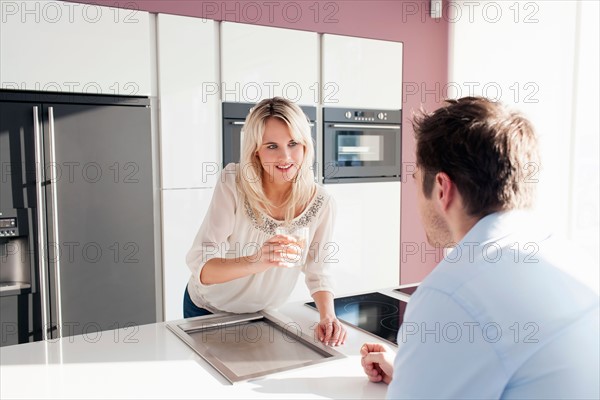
<point x="151" y="362"/>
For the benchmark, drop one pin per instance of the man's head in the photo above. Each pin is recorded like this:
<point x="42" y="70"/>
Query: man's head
<point x="486" y="152"/>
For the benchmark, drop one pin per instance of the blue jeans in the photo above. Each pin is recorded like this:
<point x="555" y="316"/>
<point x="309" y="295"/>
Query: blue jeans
<point x="190" y="309"/>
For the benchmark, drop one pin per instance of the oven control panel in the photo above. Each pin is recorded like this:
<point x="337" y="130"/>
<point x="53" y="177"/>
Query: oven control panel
<point x="367" y="116"/>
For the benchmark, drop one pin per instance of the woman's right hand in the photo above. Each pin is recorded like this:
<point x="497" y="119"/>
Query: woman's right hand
<point x="271" y="254"/>
<point x="275" y="252"/>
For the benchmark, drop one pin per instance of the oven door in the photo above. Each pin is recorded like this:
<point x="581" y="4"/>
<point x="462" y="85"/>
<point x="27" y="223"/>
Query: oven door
<point x="232" y="140"/>
<point x="233" y="135"/>
<point x="361" y="152"/>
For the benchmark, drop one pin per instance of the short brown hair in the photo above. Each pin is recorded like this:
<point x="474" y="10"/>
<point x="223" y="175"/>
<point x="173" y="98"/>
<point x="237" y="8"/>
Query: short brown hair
<point x="487" y="150"/>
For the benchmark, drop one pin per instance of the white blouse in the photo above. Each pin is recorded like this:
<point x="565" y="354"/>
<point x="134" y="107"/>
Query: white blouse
<point x="230" y="230"/>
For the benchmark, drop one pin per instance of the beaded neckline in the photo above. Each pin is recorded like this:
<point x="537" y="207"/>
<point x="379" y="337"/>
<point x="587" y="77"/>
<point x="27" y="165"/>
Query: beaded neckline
<point x="268" y="224"/>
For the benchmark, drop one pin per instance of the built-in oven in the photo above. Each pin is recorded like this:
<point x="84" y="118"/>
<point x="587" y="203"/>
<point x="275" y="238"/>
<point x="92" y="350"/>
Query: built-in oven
<point x="234" y="115"/>
<point x="361" y="145"/>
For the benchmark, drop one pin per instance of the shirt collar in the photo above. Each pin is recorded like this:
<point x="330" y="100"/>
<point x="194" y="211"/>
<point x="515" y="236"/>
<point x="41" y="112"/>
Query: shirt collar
<point x="499" y="225"/>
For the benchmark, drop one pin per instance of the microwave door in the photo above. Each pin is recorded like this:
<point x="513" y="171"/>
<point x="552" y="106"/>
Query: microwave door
<point x="353" y="149"/>
<point x="359" y="151"/>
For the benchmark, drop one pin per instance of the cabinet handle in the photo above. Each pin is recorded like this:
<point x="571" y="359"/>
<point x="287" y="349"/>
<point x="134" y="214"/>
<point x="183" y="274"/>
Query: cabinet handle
<point x="53" y="193"/>
<point x="41" y="216"/>
<point x="365" y="126"/>
<point x="241" y="123"/>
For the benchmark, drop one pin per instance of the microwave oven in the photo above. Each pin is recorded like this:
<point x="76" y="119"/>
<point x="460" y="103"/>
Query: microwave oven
<point x="361" y="145"/>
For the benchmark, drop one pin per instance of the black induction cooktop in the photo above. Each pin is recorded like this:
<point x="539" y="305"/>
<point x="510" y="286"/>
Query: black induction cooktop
<point x="375" y="313"/>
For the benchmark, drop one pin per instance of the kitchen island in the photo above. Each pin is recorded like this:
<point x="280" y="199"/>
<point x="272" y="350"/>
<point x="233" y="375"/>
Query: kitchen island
<point x="149" y="361"/>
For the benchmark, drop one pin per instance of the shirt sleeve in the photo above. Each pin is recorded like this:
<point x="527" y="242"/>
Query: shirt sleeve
<point x="219" y="222"/>
<point x="443" y="353"/>
<point x="322" y="251"/>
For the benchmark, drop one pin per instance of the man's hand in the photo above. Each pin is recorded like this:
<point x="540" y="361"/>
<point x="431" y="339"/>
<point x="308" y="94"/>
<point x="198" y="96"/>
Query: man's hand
<point x="378" y="362"/>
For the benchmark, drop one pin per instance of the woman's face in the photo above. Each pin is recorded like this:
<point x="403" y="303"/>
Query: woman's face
<point x="279" y="154"/>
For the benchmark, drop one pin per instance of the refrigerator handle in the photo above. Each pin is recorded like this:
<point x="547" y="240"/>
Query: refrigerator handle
<point x="52" y="185"/>
<point x="41" y="207"/>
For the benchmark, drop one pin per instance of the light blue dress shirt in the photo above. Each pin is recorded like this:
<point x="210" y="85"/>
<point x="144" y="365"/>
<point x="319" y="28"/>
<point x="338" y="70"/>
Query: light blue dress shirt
<point x="497" y="318"/>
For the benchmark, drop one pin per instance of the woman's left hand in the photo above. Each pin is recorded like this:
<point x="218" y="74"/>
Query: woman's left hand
<point x="331" y="331"/>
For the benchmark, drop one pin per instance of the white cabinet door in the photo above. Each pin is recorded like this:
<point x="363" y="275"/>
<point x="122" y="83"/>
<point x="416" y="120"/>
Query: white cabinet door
<point x="366" y="238"/>
<point x="190" y="126"/>
<point x="70" y="47"/>
<point x="183" y="212"/>
<point x="361" y="72"/>
<point x="259" y="62"/>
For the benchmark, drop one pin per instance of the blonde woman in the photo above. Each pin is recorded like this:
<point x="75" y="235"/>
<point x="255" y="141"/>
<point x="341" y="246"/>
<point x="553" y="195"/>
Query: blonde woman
<point x="237" y="260"/>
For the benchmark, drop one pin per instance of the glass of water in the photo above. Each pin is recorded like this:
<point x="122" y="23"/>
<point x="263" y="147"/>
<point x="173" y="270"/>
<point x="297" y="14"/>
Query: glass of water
<point x="298" y="250"/>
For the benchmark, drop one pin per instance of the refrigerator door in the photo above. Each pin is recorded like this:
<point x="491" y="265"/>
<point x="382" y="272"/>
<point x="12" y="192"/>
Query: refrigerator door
<point x="17" y="156"/>
<point x="22" y="289"/>
<point x="100" y="212"/>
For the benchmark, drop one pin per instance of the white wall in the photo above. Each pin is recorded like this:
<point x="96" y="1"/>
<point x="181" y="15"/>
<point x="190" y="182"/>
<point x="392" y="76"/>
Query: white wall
<point x="532" y="56"/>
<point x="585" y="184"/>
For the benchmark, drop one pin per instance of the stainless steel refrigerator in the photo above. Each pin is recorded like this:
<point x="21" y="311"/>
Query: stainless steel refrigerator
<point x="78" y="215"/>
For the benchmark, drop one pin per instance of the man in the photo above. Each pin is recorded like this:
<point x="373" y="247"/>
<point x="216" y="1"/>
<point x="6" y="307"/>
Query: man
<point x="498" y="317"/>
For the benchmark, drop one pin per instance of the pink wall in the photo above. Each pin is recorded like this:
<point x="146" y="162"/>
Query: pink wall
<point x="425" y="69"/>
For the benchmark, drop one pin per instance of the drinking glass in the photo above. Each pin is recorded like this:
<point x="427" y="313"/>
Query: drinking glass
<point x="296" y="256"/>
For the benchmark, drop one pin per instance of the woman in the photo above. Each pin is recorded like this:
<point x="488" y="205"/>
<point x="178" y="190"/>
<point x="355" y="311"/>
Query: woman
<point x="238" y="263"/>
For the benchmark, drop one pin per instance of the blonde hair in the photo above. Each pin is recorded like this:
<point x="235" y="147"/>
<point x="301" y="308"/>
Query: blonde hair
<point x="250" y="182"/>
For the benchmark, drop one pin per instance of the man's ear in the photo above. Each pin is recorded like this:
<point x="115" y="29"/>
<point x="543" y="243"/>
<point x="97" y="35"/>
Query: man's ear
<point x="445" y="190"/>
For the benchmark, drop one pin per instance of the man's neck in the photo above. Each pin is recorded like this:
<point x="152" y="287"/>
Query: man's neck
<point x="460" y="224"/>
